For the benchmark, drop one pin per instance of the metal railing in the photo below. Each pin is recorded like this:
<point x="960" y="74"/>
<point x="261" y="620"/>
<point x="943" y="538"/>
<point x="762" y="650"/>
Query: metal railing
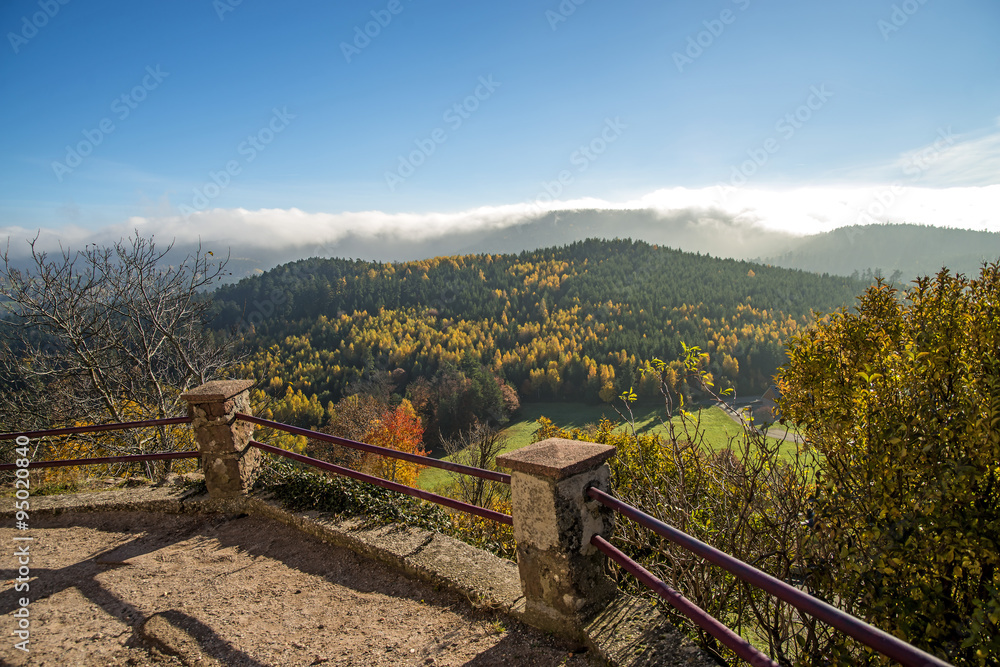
<point x="870" y="636"/>
<point x="316" y="463"/>
<point x="698" y="616"/>
<point x="387" y="484"/>
<point x="491" y="475"/>
<point x="95" y="428"/>
<point x="131" y="458"/>
<point x="121" y="426"/>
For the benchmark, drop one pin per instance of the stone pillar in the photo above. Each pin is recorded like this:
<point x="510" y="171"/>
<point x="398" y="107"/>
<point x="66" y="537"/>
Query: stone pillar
<point x="228" y="461"/>
<point x="562" y="574"/>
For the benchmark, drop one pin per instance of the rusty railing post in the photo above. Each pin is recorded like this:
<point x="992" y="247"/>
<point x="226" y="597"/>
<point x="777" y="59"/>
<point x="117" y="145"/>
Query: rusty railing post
<point x="227" y="459"/>
<point x="562" y="574"/>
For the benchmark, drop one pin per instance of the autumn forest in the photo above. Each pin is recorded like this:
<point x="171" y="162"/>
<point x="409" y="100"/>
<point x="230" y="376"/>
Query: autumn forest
<point x="578" y="322"/>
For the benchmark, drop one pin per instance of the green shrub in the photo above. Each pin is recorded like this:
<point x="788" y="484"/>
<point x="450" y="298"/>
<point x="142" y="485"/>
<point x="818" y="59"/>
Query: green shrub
<point x="902" y="398"/>
<point x="300" y="488"/>
<point x="303" y="489"/>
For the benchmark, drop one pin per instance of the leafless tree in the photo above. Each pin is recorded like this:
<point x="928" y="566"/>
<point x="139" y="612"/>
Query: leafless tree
<point x="478" y="447"/>
<point x="107" y="334"/>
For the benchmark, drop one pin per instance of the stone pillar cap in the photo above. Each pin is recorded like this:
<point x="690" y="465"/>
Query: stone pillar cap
<point x="556" y="458"/>
<point x="216" y="391"/>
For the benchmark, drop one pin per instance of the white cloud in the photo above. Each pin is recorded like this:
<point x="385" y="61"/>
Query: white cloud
<point x="961" y="162"/>
<point x="975" y="162"/>
<point x="809" y="210"/>
<point x="949" y="160"/>
<point x="803" y="210"/>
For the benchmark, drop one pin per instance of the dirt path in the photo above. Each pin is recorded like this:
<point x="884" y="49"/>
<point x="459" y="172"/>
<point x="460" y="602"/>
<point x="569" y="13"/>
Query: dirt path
<point x="240" y="592"/>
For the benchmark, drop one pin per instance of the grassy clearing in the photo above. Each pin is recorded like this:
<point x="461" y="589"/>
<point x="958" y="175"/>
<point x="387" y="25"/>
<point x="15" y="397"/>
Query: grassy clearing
<point x="719" y="429"/>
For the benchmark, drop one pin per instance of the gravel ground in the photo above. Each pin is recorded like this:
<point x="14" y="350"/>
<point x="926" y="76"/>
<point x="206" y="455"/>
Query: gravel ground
<point x="106" y="588"/>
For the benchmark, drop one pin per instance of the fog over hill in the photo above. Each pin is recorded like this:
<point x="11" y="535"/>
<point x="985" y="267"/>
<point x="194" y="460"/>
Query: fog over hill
<point x="908" y="249"/>
<point x="706" y="231"/>
<point x="264" y="243"/>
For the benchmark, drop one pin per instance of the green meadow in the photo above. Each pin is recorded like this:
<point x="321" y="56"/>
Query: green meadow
<point x="719" y="429"/>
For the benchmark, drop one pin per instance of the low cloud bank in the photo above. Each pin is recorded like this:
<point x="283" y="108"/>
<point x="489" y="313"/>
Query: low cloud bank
<point x="268" y="236"/>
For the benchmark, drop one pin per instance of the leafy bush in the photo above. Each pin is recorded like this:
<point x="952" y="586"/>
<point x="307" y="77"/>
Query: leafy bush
<point x="486" y="534"/>
<point x="303" y="489"/>
<point x="902" y="398"/>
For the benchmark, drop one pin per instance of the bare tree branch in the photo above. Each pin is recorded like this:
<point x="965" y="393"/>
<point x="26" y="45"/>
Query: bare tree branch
<point x="107" y="333"/>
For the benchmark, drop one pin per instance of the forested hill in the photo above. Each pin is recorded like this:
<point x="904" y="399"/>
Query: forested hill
<point x="566" y="322"/>
<point x="902" y="250"/>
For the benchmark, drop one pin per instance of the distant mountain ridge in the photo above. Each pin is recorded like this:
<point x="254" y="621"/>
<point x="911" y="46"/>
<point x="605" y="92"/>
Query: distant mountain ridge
<point x="908" y="250"/>
<point x="707" y="231"/>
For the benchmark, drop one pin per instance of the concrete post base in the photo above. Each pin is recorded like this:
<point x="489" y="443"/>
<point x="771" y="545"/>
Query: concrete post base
<point x="562" y="575"/>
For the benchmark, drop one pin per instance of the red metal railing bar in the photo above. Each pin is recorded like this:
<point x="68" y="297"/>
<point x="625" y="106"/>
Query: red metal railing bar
<point x="100" y="427"/>
<point x="394" y="486"/>
<point x="881" y="641"/>
<point x="107" y="459"/>
<point x="698" y="616"/>
<point x="503" y="478"/>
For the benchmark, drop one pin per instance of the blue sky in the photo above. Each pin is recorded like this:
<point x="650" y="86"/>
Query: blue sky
<point x="186" y="115"/>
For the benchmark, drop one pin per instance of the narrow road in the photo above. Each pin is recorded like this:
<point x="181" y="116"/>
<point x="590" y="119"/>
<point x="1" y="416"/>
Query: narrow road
<point x="774" y="431"/>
